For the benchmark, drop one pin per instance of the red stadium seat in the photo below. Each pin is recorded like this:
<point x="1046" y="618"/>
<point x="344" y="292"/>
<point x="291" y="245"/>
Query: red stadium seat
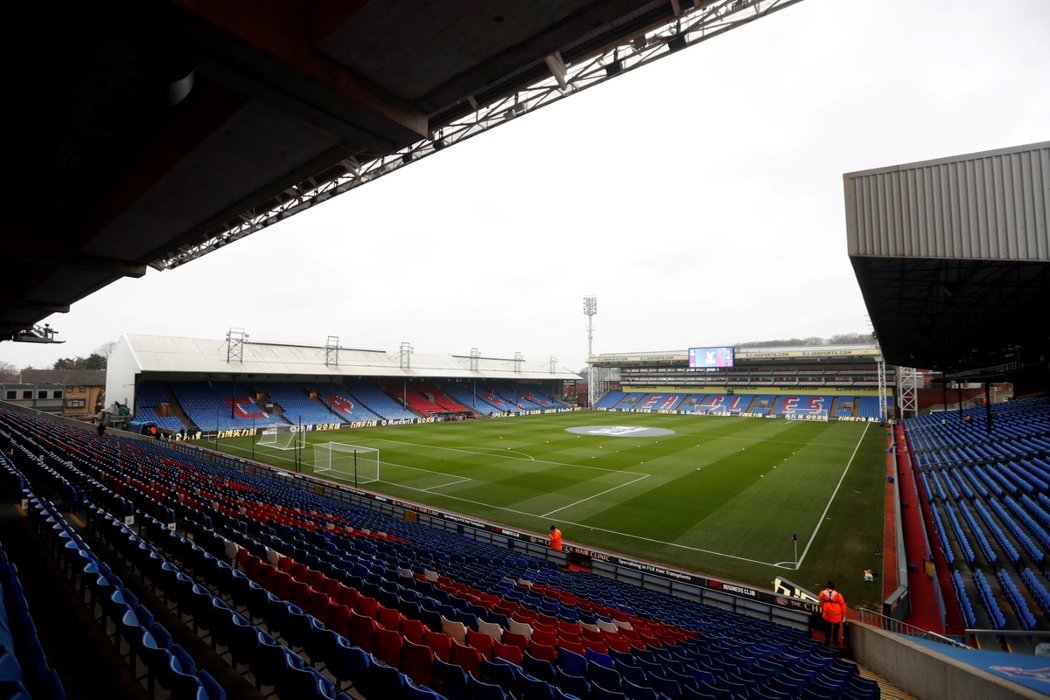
<point x="417" y="660"/>
<point x="441" y="644"/>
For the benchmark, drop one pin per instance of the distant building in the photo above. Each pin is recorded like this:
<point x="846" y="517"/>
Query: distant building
<point x="83" y="390"/>
<point x="48" y="398"/>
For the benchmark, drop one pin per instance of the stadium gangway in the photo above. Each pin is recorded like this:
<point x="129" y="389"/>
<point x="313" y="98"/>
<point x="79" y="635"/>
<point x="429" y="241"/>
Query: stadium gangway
<point x="1013" y="596"/>
<point x="1031" y="548"/>
<point x="964" y="484"/>
<point x="1044" y="501"/>
<point x="1040" y="466"/>
<point x="1004" y="542"/>
<point x="1037" y="589"/>
<point x="983" y="453"/>
<point x="1007" y="474"/>
<point x="1041" y="514"/>
<point x="1031" y="474"/>
<point x="938" y="489"/>
<point x="992" y="484"/>
<point x="990" y="554"/>
<point x="960" y="536"/>
<point x="988" y="598"/>
<point x="947" y="478"/>
<point x="1012" y="482"/>
<point x="978" y="484"/>
<point x="1021" y="534"/>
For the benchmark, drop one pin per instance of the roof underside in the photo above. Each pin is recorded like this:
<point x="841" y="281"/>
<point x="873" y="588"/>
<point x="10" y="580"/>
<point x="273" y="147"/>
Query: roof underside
<point x="953" y="260"/>
<point x="142" y="127"/>
<point x="198" y="356"/>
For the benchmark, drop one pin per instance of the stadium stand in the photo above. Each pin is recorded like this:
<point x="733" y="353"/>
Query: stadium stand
<point x="446" y="404"/>
<point x="474" y="402"/>
<point x="24" y="671"/>
<point x="295" y="403"/>
<point x="312" y="596"/>
<point x="376" y="400"/>
<point x="609" y="400"/>
<point x="149" y="399"/>
<point x="995" y="478"/>
<point x="221" y="407"/>
<point x="839" y="407"/>
<point x="539" y="397"/>
<point x="420" y="403"/>
<point x="342" y="404"/>
<point x="492" y="397"/>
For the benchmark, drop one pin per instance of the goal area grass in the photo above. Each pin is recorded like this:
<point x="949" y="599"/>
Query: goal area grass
<point x="717" y="495"/>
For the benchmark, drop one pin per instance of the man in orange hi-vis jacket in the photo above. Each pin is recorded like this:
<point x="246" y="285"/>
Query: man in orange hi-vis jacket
<point x="555" y="538"/>
<point x="833" y="610"/>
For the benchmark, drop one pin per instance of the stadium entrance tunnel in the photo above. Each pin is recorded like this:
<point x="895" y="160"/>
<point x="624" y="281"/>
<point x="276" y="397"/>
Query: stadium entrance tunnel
<point x="619" y="431"/>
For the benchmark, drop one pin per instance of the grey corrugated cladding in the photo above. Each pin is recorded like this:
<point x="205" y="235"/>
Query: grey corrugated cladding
<point x="993" y="205"/>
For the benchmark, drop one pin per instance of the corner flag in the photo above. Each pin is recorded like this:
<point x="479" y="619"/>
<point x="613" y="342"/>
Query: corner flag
<point x="794" y="537"/>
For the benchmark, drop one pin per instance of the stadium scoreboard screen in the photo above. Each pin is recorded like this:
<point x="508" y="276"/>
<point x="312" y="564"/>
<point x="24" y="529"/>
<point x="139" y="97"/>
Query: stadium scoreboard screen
<point x="711" y="357"/>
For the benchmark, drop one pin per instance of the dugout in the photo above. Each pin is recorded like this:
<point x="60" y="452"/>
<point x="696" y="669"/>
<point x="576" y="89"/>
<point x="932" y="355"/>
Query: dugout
<point x="143" y="427"/>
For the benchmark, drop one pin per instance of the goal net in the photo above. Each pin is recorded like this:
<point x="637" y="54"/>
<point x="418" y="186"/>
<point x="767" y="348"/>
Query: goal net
<point x="815" y="415"/>
<point x="281" y="437"/>
<point x="347" y="462"/>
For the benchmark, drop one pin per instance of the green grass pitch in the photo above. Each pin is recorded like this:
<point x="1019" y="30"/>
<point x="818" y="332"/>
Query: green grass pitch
<point x="720" y="496"/>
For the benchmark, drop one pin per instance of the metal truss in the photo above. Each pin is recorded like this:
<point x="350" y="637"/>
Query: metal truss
<point x="599" y="380"/>
<point x="908" y="379"/>
<point x="881" y="369"/>
<point x="331" y="351"/>
<point x="691" y="26"/>
<point x="235" y="339"/>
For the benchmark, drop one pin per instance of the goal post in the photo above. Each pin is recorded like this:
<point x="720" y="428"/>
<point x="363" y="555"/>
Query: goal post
<point x="354" y="463"/>
<point x="281" y="437"/>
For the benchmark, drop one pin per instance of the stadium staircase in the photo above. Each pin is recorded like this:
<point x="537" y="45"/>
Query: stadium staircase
<point x="421" y="403"/>
<point x="176" y="408"/>
<point x="149" y="397"/>
<point x="444" y="401"/>
<point x="265" y="586"/>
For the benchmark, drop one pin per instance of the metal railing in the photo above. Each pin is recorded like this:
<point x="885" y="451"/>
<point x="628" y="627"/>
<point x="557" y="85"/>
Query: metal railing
<point x="870" y="617"/>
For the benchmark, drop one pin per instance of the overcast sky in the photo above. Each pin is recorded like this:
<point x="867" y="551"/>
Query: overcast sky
<point x="699" y="198"/>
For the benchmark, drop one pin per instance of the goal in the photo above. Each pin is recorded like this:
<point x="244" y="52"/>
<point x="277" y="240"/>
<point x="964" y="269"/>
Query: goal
<point x="281" y="437"/>
<point x="347" y="462"/>
<point x="814" y="416"/>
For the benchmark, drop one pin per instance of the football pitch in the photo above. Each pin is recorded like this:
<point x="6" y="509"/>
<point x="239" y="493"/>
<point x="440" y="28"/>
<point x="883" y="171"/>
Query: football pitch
<point x="721" y="496"/>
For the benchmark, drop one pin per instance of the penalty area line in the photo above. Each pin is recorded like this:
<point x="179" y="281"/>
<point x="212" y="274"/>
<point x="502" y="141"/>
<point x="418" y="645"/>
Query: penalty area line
<point x="459" y="480"/>
<point x="600" y="493"/>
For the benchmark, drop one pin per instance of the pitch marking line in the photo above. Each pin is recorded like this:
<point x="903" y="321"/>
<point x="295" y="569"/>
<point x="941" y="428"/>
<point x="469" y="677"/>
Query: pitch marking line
<point x="834" y="493"/>
<point x="459" y="480"/>
<point x="570" y="522"/>
<point x="486" y="454"/>
<point x="600" y="493"/>
<point x="599" y="529"/>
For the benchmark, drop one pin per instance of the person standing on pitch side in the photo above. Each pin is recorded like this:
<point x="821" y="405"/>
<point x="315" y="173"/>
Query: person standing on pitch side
<point x="833" y="610"/>
<point x="555" y="538"/>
